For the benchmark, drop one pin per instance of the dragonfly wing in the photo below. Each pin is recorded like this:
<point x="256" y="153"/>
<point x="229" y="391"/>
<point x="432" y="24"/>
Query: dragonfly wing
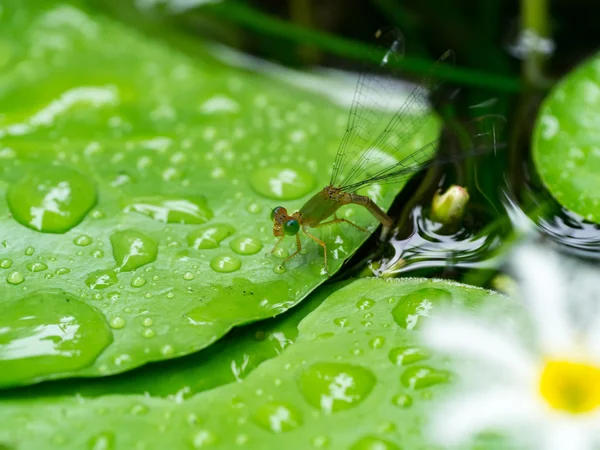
<point x="397" y="131"/>
<point x="372" y="105"/>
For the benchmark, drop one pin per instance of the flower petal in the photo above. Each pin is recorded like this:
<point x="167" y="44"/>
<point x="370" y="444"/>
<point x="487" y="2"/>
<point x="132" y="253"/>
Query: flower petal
<point x="464" y="337"/>
<point x="543" y="287"/>
<point x="573" y="434"/>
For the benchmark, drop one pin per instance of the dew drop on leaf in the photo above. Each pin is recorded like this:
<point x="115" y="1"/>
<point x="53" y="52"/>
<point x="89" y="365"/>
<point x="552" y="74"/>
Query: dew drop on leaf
<point x="419" y="377"/>
<point x="225" y="264"/>
<point x="334" y="387"/>
<point x="402" y="400"/>
<point x="133" y="249"/>
<point x="82" y="240"/>
<point x="189" y="210"/>
<point x="5" y="263"/>
<point x="280" y="182"/>
<point x="411" y="309"/>
<point x="278" y="417"/>
<point x="36" y="266"/>
<point x="51" y="199"/>
<point x="15" y="277"/>
<point x="210" y="236"/>
<point x="101" y="279"/>
<point x="374" y="443"/>
<point x="246" y="245"/>
<point x="402" y="356"/>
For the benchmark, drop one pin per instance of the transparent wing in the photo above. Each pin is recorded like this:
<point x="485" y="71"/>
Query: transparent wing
<point x="401" y="127"/>
<point x="483" y="134"/>
<point x="371" y="106"/>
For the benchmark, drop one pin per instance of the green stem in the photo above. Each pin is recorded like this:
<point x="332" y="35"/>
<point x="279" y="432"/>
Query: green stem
<point x="262" y="23"/>
<point x="535" y="20"/>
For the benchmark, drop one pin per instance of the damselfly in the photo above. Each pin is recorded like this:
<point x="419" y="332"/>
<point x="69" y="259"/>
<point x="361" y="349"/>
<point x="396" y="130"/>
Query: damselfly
<point x="373" y="135"/>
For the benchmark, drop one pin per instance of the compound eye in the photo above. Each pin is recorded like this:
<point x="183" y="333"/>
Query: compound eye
<point x="274" y="211"/>
<point x="291" y="227"/>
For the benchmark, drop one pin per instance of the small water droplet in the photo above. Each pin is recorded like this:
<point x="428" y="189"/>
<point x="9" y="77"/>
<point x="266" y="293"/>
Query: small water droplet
<point x="167" y="350"/>
<point x="190" y="210"/>
<point x="373" y="443"/>
<point x="253" y="208"/>
<point x="188" y="276"/>
<point x="133" y="249"/>
<point x="377" y="342"/>
<point x="419" y="377"/>
<point x="51" y="199"/>
<point x="334" y="386"/>
<point x="210" y="236"/>
<point x="225" y="264"/>
<point x="279" y="268"/>
<point x="402" y="356"/>
<point x="281" y="253"/>
<point x="282" y="182"/>
<point x="365" y="303"/>
<point x="36" y="266"/>
<point x="402" y="400"/>
<point x="246" y="245"/>
<point x="138" y="281"/>
<point x="15" y="277"/>
<point x="147" y="322"/>
<point x="5" y="263"/>
<point x="104" y="441"/>
<point x="204" y="438"/>
<point x="117" y="322"/>
<point x="98" y="253"/>
<point x="341" y="322"/>
<point x="320" y="441"/>
<point x="101" y="279"/>
<point x="29" y="251"/>
<point x="62" y="271"/>
<point x="82" y="240"/>
<point x="148" y="333"/>
<point x="411" y="309"/>
<point x="139" y="410"/>
<point x="278" y="417"/>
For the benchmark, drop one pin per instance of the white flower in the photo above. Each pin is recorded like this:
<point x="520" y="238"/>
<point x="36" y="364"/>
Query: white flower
<point x="541" y="388"/>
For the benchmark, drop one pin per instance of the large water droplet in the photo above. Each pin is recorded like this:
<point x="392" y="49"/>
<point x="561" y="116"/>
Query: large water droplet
<point x="204" y="438"/>
<point x="246" y="245"/>
<point x="402" y="356"/>
<point x="49" y="332"/>
<point x="225" y="264"/>
<point x="37" y="266"/>
<point x="15" y="277"/>
<point x="5" y="263"/>
<point x="209" y="237"/>
<point x="374" y="443"/>
<point x="133" y="249"/>
<point x="334" y="386"/>
<point x="414" y="307"/>
<point x="282" y="182"/>
<point x="101" y="279"/>
<point x="82" y="240"/>
<point x="190" y="210"/>
<point x="51" y="199"/>
<point x="419" y="377"/>
<point x="278" y="417"/>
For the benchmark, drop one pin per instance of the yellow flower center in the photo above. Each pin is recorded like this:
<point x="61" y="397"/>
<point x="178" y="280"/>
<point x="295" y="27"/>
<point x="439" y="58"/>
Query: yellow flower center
<point x="571" y="387"/>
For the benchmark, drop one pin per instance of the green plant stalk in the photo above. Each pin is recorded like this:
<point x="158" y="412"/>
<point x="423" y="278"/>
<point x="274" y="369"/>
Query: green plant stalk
<point x="534" y="19"/>
<point x="262" y="23"/>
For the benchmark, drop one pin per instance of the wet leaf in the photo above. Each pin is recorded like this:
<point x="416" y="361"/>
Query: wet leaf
<point x="565" y="142"/>
<point x="139" y="181"/>
<point x="356" y="377"/>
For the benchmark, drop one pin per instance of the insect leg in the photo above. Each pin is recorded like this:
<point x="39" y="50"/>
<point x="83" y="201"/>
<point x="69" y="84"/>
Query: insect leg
<point x="338" y="220"/>
<point x="298" y="248"/>
<point x="377" y="212"/>
<point x="322" y="244"/>
<point x="277" y="244"/>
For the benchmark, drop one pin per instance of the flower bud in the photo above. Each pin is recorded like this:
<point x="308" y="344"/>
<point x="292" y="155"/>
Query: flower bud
<point x="449" y="207"/>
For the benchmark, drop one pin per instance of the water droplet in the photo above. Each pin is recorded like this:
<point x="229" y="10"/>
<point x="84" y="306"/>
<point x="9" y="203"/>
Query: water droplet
<point x="334" y="387"/>
<point x="278" y="417"/>
<point x="138" y="281"/>
<point x="411" y="309"/>
<point x="253" y="208"/>
<point x="37" y="266"/>
<point x="320" y="442"/>
<point x="419" y="377"/>
<point x="29" y="251"/>
<point x="15" y="277"/>
<point x="189" y="276"/>
<point x="117" y="322"/>
<point x="101" y="279"/>
<point x="98" y="253"/>
<point x="5" y="263"/>
<point x="49" y="332"/>
<point x="204" y="438"/>
<point x="147" y="322"/>
<point x="246" y="245"/>
<point x="133" y="249"/>
<point x="190" y="210"/>
<point x="82" y="240"/>
<point x="281" y="253"/>
<point x="167" y="350"/>
<point x="282" y="182"/>
<point x="225" y="264"/>
<point x="209" y="237"/>
<point x="341" y="322"/>
<point x="51" y="199"/>
<point x="148" y="333"/>
<point x="402" y="400"/>
<point x="279" y="268"/>
<point x="373" y="443"/>
<point x="139" y="410"/>
<point x="402" y="356"/>
<point x="62" y="271"/>
<point x="365" y="303"/>
<point x="104" y="441"/>
<point x="377" y="342"/>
